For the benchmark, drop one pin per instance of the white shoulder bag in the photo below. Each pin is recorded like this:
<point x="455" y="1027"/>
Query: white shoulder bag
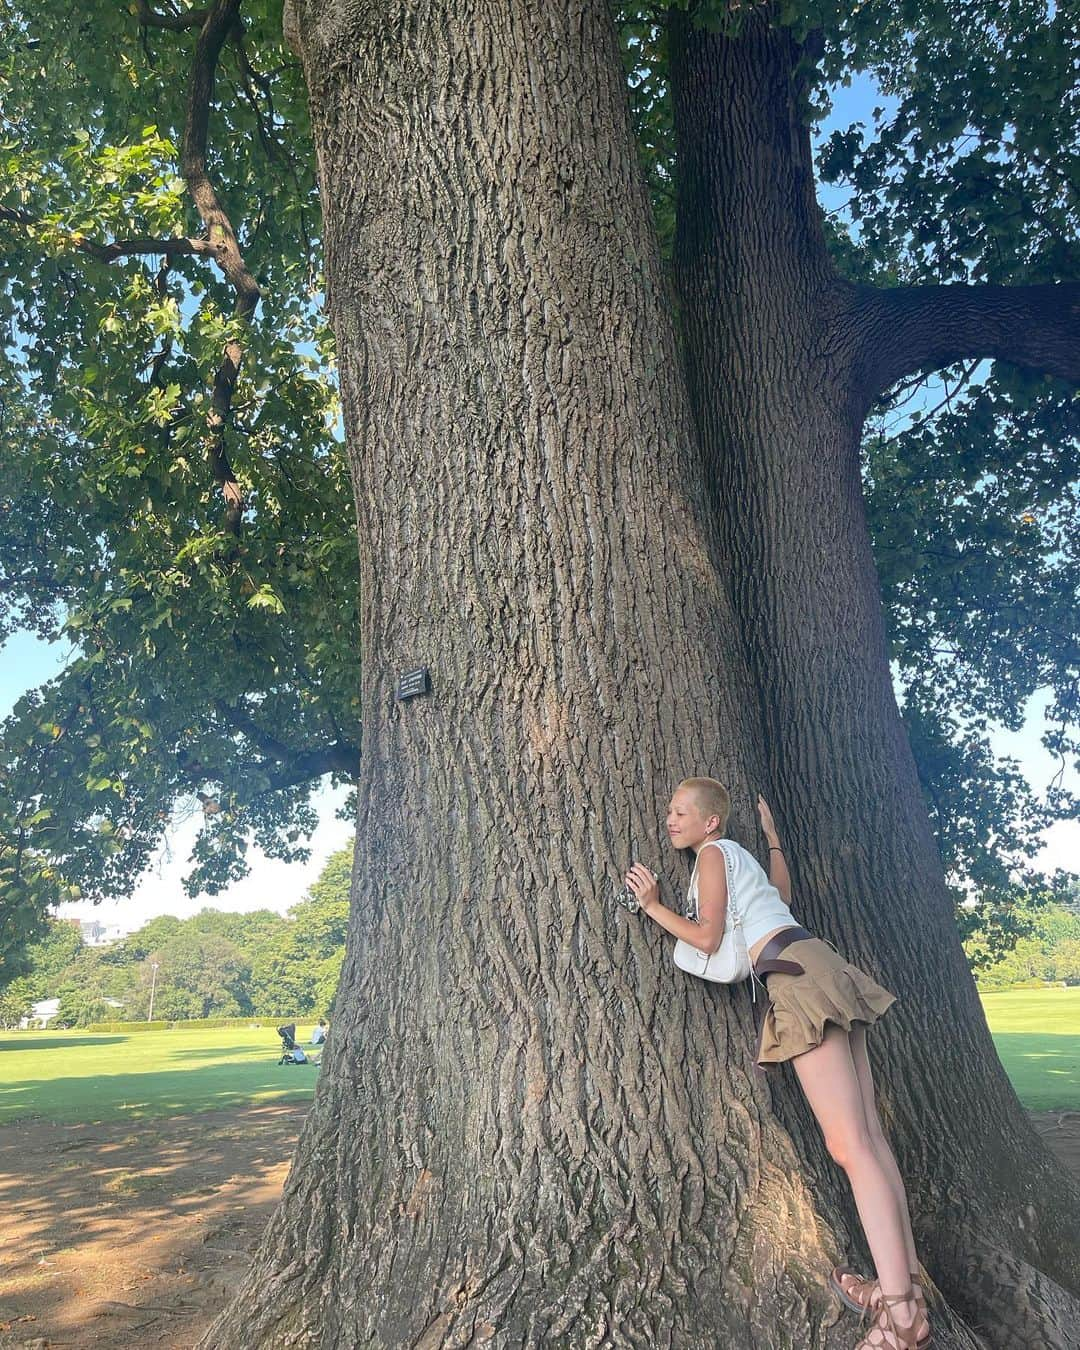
<point x="730" y="963"/>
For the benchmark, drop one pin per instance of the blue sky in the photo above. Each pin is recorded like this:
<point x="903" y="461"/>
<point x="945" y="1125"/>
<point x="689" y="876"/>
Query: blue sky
<point x="25" y="661"/>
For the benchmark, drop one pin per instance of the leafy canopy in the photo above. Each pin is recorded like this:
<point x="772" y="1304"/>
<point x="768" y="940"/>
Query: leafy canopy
<point x="214" y="664"/>
<point x="205" y="667"/>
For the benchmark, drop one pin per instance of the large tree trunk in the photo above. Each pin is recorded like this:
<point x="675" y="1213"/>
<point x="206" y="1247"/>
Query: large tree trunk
<point x="529" y="1129"/>
<point x="774" y="354"/>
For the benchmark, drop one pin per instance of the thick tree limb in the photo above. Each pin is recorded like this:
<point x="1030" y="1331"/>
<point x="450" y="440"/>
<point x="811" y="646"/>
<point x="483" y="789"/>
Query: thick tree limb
<point x="215" y="25"/>
<point x="915" y="328"/>
<point x="166" y="248"/>
<point x="292" y="768"/>
<point x="337" y="757"/>
<point x="267" y="743"/>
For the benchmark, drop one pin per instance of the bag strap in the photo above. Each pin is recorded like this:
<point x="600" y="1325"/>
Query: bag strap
<point x="729" y="869"/>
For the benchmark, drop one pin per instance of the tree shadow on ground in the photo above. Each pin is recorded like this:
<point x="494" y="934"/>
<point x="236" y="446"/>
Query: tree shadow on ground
<point x="127" y="1237"/>
<point x="245" y="1051"/>
<point x="1044" y="1067"/>
<point x="154" y="1092"/>
<point x="56" y="1042"/>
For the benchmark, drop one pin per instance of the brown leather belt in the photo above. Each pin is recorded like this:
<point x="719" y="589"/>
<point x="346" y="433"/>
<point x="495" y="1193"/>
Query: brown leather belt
<point x="767" y="963"/>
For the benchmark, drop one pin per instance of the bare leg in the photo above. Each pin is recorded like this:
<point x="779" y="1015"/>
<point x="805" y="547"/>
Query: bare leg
<point x="830" y="1083"/>
<point x="878" y="1140"/>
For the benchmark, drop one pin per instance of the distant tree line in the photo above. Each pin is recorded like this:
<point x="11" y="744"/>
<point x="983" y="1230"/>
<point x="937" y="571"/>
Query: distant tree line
<point x="1046" y="952"/>
<point x="219" y="964"/>
<point x="215" y="964"/>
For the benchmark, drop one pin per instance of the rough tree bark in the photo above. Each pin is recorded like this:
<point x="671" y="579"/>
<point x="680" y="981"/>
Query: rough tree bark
<point x="529" y="1130"/>
<point x="783" y="360"/>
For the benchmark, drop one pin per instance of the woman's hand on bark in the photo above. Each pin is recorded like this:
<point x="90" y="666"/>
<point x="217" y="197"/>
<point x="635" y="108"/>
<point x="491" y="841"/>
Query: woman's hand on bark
<point x="767" y="822"/>
<point x="644" y="885"/>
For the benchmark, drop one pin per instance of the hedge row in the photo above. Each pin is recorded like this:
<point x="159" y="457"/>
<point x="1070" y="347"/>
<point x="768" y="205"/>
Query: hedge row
<point x="1020" y="984"/>
<point x="204" y="1022"/>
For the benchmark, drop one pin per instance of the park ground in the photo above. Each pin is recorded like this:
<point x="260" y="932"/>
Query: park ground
<point x="137" y="1169"/>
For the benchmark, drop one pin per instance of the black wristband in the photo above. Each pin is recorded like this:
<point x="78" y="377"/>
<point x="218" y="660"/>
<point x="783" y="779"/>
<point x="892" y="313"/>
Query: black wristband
<point x="775" y="848"/>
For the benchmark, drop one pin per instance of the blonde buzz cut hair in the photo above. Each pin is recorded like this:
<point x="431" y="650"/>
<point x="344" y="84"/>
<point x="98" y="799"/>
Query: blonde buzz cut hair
<point x="712" y="797"/>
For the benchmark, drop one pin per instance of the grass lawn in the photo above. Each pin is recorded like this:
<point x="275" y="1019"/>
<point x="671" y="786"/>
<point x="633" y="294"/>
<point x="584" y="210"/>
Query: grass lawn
<point x="1037" y="1034"/>
<point x="77" y="1076"/>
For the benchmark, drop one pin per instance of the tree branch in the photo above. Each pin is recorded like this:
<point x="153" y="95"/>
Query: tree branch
<point x="216" y="25"/>
<point x="912" y="328"/>
<point x="220" y="21"/>
<point x="250" y="78"/>
<point x="290" y="769"/>
<point x="150" y="18"/>
<point x="242" y="722"/>
<point x="169" y="247"/>
<point x="292" y="766"/>
<point x="338" y="757"/>
<point x="157" y="364"/>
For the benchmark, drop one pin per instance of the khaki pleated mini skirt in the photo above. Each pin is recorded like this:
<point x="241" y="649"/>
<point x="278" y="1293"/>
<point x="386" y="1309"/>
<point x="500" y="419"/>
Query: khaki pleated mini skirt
<point x="802" y="1006"/>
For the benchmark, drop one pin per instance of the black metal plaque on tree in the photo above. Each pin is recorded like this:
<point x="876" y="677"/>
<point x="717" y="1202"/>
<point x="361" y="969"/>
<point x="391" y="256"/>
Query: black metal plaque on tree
<point x="413" y="683"/>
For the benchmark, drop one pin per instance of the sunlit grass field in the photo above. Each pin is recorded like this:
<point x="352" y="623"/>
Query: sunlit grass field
<point x="79" y="1076"/>
<point x="75" y="1076"/>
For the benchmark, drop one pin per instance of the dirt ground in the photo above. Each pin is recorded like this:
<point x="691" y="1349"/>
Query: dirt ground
<point x="133" y="1236"/>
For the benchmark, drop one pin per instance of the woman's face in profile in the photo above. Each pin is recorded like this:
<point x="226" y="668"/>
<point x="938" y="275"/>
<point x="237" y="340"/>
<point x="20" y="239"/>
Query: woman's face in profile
<point x="685" y="820"/>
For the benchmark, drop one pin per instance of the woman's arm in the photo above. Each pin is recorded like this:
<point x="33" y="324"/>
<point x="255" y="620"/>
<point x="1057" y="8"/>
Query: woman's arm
<point x="707" y="935"/>
<point x="778" y="868"/>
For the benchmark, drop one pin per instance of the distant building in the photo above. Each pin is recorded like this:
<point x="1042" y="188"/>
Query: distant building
<point x="43" y="1012"/>
<point x="98" y="934"/>
<point x="40" y="1014"/>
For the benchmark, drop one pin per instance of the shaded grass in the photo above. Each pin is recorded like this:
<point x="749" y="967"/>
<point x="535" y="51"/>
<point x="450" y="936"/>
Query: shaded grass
<point x="1037" y="1035"/>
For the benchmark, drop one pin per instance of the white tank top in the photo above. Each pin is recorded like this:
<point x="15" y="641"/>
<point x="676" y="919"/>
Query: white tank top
<point x="760" y="905"/>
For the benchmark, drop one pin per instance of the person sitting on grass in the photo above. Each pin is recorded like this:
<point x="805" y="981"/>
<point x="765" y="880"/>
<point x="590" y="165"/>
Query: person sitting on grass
<point x="318" y="1036"/>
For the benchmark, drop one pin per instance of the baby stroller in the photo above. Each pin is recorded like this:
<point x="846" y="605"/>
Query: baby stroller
<point x="291" y="1053"/>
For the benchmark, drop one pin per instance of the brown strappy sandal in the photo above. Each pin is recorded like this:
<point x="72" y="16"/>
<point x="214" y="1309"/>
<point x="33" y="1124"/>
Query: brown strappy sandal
<point x="887" y="1334"/>
<point x="859" y="1294"/>
<point x="853" y="1290"/>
